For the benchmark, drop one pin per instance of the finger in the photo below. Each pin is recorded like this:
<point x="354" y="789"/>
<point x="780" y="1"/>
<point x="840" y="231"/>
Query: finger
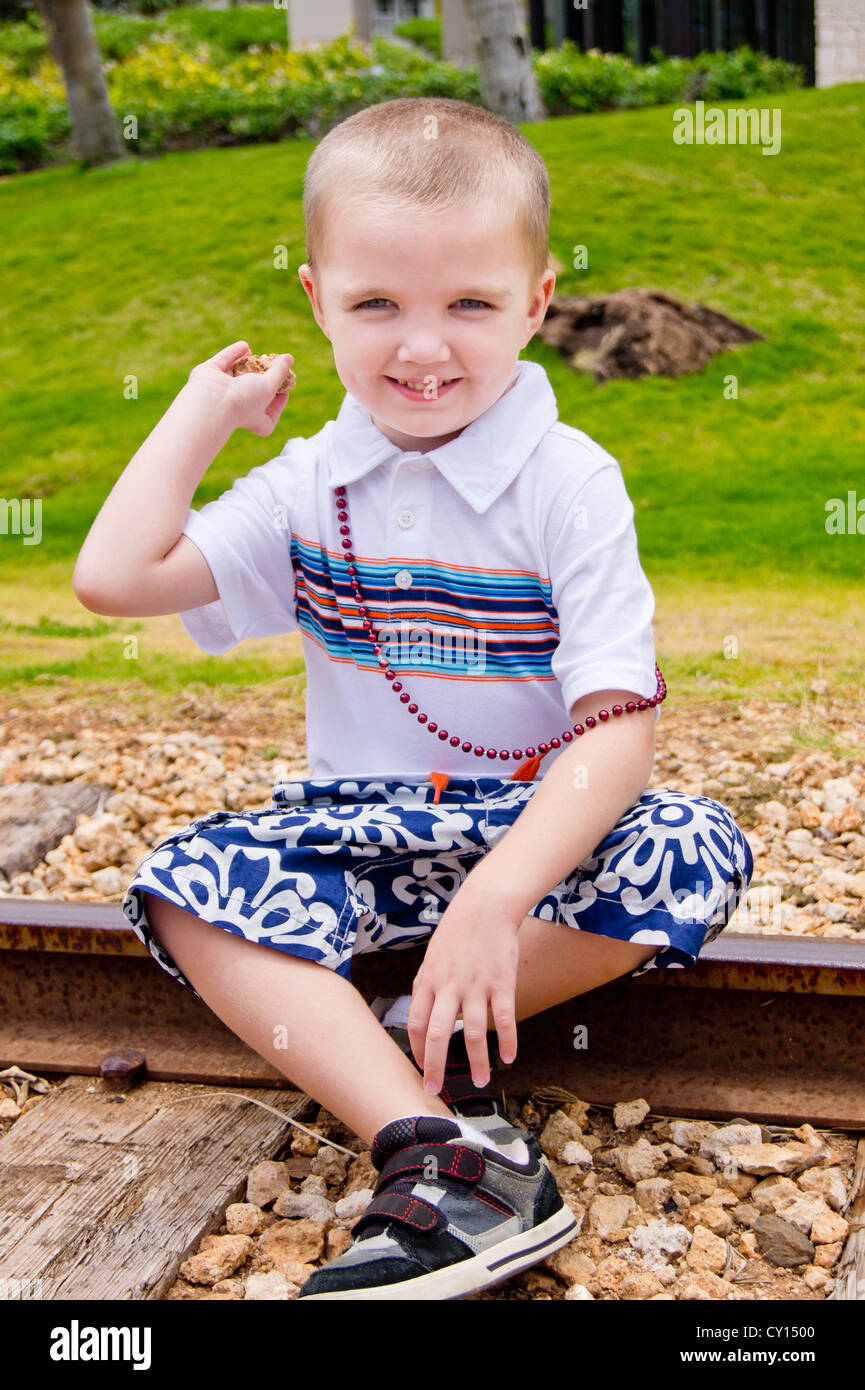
<point x="276" y="407"/>
<point x="475" y="1035"/>
<point x="228" y="356"/>
<point x="438" y="1036"/>
<point x="503" y="1008"/>
<point x="419" y="1011"/>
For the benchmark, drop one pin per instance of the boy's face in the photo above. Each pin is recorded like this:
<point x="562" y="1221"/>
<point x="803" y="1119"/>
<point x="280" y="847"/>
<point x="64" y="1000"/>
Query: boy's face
<point x="411" y="294"/>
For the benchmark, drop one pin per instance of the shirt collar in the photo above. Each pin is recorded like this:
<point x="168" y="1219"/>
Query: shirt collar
<point x="483" y="459"/>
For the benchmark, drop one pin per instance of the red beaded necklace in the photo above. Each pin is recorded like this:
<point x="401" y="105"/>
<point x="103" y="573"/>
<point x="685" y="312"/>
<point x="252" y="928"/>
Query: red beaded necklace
<point x="526" y="770"/>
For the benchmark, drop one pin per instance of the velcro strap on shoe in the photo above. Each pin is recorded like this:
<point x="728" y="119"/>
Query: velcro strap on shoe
<point x="413" y="1212"/>
<point x="461" y="1087"/>
<point x="451" y="1160"/>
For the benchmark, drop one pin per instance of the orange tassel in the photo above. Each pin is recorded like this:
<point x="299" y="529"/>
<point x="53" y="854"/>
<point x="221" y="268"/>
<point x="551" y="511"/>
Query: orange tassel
<point x="526" y="771"/>
<point x="439" y="781"/>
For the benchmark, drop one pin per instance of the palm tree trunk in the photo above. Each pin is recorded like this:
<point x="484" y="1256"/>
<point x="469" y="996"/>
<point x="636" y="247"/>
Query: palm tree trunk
<point x="95" y="135"/>
<point x="507" y="78"/>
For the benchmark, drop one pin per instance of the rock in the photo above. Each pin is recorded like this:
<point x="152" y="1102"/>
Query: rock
<point x="773" y="1193"/>
<point x="804" y="1210"/>
<point x="289" y="1244"/>
<point x="559" y="1130"/>
<point x="740" y="1183"/>
<point x="608" y="1214"/>
<point x="338" y="1241"/>
<point x="361" y="1174"/>
<point x="828" y="1182"/>
<point x="745" y="1214"/>
<point x="652" y="1193"/>
<point x="707" y="1251"/>
<point x="792" y="1158"/>
<point x="304" y="1145"/>
<point x="719" y="1221"/>
<point x="718" y="1145"/>
<point x="815" y="1278"/>
<point x="578" y="1292"/>
<point x="309" y="1205"/>
<point x="826" y="1256"/>
<point x="350" y="1209"/>
<point x="229" y="1288"/>
<point x="657" y="1297"/>
<point x="578" y="1111"/>
<point x="223" y="1255"/>
<point x="611" y="1273"/>
<point x="783" y="1244"/>
<point x="331" y="1165"/>
<point x="244" y="1219"/>
<point x="642" y="1283"/>
<point x="659" y="1241"/>
<point x="629" y="1113"/>
<point x="267" y="1181"/>
<point x="828" y="1228"/>
<point x="748" y="1245"/>
<point x="640" y="1160"/>
<point x="689" y="1134"/>
<point x="575" y="1153"/>
<point x="8" y="1109"/>
<point x="570" y="1264"/>
<point x="704" y="1284"/>
<point x="694" y="1186"/>
<point x="267" y="1287"/>
<point x="314" y="1183"/>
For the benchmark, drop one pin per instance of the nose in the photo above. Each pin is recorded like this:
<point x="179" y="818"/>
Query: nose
<point x="425" y="349"/>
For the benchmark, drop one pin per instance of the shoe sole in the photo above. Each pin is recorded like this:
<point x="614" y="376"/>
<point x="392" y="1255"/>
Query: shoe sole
<point x="482" y="1271"/>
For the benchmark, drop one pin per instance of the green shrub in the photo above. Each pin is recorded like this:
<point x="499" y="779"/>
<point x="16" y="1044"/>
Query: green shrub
<point x="426" y="32"/>
<point x="193" y="77"/>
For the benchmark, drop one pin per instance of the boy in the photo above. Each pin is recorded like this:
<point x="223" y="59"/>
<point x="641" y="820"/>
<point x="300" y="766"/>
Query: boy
<point x="446" y="500"/>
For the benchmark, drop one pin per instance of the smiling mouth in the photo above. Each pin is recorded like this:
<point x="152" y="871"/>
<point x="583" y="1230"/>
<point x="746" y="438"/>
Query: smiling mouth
<point x="422" y="385"/>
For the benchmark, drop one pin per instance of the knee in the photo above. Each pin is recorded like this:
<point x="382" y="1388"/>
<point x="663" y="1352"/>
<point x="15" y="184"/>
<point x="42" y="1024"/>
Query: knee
<point x="166" y="919"/>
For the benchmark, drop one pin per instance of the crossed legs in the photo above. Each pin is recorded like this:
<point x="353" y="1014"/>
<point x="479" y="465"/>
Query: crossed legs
<point x="315" y="1027"/>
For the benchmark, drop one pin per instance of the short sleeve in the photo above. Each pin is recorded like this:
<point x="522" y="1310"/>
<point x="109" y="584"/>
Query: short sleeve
<point x="245" y="537"/>
<point x="604" y="600"/>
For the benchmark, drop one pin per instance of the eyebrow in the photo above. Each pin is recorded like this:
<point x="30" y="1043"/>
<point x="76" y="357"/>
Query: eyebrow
<point x="491" y="292"/>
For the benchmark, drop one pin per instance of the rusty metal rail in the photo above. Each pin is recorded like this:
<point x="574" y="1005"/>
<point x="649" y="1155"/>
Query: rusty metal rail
<point x="769" y="1028"/>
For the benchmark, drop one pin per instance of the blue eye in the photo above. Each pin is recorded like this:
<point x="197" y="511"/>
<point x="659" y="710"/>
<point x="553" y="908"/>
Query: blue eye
<point x="368" y="303"/>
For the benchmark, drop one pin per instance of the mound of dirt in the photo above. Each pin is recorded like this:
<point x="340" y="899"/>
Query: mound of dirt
<point x="638" y="332"/>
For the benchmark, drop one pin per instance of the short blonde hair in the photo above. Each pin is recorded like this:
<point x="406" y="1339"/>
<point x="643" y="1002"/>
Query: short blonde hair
<point x="387" y="151"/>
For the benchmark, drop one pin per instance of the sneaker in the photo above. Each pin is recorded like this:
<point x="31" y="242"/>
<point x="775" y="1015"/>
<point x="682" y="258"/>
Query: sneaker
<point x="448" y="1216"/>
<point x="481" y="1104"/>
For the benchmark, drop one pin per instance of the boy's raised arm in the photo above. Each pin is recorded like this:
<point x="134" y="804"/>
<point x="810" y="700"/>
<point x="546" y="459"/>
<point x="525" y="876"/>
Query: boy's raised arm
<point x="135" y="560"/>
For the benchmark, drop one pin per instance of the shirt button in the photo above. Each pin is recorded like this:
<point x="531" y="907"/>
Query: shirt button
<point x="406" y="519"/>
<point x="403" y="579"/>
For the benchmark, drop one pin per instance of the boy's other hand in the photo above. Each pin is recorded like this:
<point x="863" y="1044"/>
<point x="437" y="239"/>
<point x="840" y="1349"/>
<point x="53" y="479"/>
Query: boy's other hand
<point x="469" y="968"/>
<point x="249" y="401"/>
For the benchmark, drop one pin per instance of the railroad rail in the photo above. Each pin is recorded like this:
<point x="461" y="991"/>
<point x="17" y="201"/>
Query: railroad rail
<point x="763" y="1027"/>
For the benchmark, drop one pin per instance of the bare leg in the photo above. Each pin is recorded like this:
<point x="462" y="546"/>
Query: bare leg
<point x="335" y="1048"/>
<point x="557" y="963"/>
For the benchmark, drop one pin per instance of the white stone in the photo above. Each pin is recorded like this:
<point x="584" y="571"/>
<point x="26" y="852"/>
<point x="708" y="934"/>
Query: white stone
<point x="658" y="1241"/>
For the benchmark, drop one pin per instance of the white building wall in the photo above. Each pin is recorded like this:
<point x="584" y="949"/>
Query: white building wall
<point x="840" y="38"/>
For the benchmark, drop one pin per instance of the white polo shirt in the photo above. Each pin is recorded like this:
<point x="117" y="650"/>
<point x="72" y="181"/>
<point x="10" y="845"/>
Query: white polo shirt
<point x="501" y="572"/>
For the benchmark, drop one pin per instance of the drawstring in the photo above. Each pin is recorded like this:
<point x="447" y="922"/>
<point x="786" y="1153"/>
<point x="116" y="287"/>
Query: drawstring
<point x="525" y="772"/>
<point x="439" y="781"/>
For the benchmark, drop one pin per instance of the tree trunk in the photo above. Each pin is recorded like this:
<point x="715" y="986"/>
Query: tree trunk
<point x="95" y="135"/>
<point x="507" y="78"/>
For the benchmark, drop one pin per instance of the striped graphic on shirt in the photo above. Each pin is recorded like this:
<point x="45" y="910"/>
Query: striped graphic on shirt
<point x="455" y="621"/>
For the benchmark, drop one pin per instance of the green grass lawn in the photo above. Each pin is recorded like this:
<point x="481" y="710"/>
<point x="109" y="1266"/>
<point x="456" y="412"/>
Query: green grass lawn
<point x="148" y="267"/>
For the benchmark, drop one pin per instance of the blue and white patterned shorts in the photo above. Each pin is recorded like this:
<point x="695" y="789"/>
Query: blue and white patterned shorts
<point x="336" y="867"/>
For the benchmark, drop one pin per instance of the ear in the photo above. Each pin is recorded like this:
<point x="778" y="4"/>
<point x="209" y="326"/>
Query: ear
<point x="539" y="303"/>
<point x="306" y="277"/>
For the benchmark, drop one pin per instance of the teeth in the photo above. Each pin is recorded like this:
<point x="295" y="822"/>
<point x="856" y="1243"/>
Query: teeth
<point x="420" y="385"/>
